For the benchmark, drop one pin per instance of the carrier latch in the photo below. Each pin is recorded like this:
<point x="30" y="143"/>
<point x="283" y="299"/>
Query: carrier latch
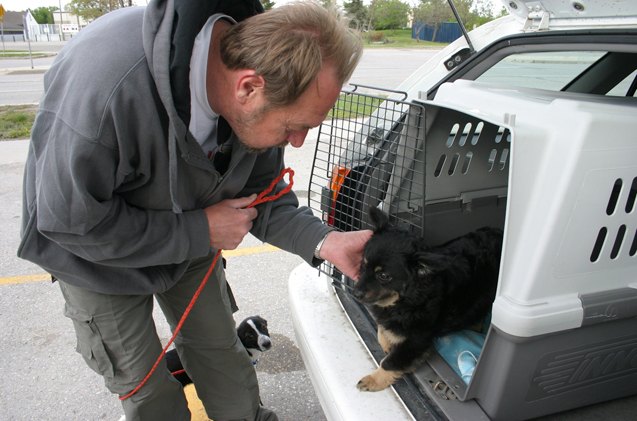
<point x="443" y="390"/>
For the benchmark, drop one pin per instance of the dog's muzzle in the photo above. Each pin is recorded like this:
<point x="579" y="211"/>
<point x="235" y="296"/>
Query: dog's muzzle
<point x="264" y="342"/>
<point x="382" y="298"/>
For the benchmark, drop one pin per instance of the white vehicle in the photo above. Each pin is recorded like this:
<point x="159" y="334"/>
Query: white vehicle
<point x="527" y="124"/>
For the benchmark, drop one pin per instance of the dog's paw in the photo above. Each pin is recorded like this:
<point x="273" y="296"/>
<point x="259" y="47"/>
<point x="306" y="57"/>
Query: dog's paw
<point x="380" y="379"/>
<point x="368" y="384"/>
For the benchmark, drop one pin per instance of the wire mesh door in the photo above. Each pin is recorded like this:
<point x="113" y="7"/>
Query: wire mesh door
<point x="370" y="152"/>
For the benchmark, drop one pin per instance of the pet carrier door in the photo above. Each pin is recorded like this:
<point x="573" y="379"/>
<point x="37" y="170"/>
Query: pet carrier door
<point x="434" y="170"/>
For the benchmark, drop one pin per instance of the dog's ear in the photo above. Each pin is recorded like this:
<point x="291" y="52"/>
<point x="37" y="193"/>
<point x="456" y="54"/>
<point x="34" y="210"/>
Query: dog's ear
<point x="430" y="263"/>
<point x="379" y="219"/>
<point x="424" y="270"/>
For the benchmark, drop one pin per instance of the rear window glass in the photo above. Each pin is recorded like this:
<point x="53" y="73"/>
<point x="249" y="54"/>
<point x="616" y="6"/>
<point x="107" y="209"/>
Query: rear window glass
<point x="542" y="70"/>
<point x="625" y="86"/>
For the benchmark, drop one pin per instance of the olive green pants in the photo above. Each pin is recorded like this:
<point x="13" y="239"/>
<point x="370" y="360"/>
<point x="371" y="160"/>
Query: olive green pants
<point x="117" y="338"/>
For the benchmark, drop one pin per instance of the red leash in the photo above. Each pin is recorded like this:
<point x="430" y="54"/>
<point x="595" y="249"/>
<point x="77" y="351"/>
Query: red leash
<point x="261" y="198"/>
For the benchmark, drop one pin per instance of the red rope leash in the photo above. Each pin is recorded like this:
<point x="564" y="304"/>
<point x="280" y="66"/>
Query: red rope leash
<point x="261" y="198"/>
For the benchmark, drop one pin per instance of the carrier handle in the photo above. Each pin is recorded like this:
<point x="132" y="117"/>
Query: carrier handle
<point x="358" y="85"/>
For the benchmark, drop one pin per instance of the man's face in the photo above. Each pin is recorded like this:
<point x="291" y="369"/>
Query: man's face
<point x="279" y="126"/>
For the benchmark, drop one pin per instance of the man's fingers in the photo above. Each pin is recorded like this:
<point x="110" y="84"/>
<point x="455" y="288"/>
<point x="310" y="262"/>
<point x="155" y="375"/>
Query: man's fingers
<point x="241" y="202"/>
<point x="251" y="213"/>
<point x="229" y="221"/>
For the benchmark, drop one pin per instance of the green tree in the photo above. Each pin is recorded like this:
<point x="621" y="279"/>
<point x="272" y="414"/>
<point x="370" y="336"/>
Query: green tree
<point x="43" y="15"/>
<point x="357" y="13"/>
<point x="267" y="4"/>
<point x="468" y="17"/>
<point x="389" y="14"/>
<point x="482" y="12"/>
<point x="432" y="12"/>
<point x="329" y="4"/>
<point x="472" y="13"/>
<point x="93" y="9"/>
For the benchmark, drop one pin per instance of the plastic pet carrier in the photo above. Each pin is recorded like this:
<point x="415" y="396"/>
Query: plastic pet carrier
<point x="557" y="172"/>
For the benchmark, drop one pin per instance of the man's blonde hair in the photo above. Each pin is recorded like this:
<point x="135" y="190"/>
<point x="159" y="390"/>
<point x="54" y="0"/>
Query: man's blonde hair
<point x="288" y="45"/>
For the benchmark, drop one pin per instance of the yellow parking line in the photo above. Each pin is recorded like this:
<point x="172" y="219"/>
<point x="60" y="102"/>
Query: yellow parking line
<point x="24" y="279"/>
<point x="40" y="277"/>
<point x="244" y="251"/>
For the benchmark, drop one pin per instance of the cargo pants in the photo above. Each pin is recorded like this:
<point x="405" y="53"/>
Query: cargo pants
<point x="117" y="338"/>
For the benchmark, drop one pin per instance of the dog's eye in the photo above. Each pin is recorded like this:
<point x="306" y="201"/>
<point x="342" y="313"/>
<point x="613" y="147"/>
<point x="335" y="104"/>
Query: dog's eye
<point x="383" y="277"/>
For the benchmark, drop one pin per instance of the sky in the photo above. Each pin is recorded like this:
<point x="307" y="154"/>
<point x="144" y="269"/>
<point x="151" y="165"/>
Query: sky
<point x="17" y="5"/>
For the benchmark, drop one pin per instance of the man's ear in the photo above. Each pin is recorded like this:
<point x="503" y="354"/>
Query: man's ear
<point x="248" y="86"/>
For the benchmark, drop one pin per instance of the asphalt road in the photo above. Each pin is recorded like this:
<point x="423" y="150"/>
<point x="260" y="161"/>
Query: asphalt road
<point x="43" y="378"/>
<point x="21" y="83"/>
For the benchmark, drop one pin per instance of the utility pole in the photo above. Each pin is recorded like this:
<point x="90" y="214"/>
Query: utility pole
<point x="25" y="26"/>
<point x="61" y="31"/>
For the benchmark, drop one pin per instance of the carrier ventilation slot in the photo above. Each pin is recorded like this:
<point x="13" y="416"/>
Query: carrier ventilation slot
<point x="622" y="238"/>
<point x="460" y="161"/>
<point x="614" y="197"/>
<point x="630" y="203"/>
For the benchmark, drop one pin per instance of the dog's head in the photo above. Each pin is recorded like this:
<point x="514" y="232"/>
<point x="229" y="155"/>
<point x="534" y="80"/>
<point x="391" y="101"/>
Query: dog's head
<point x="253" y="333"/>
<point x="391" y="263"/>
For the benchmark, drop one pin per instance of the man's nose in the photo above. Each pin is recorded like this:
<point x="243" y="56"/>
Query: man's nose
<point x="297" y="138"/>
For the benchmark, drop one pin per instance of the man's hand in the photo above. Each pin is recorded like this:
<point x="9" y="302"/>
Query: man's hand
<point x="228" y="222"/>
<point x="345" y="250"/>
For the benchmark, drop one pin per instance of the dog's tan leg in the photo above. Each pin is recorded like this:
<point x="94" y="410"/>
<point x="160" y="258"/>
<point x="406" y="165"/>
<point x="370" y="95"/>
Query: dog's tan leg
<point x="383" y="341"/>
<point x="380" y="379"/>
<point x="387" y="339"/>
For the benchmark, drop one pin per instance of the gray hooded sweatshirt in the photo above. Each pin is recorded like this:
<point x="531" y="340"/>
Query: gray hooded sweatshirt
<point x="114" y="184"/>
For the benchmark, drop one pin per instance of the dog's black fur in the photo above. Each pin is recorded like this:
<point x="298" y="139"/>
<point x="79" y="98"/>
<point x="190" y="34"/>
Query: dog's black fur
<point x="417" y="293"/>
<point x="253" y="334"/>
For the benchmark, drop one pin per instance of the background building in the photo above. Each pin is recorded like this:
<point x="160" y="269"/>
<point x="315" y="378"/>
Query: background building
<point x="65" y="26"/>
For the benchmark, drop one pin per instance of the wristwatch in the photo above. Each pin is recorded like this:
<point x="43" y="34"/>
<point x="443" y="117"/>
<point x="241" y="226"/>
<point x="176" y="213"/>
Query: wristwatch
<point x="317" y="250"/>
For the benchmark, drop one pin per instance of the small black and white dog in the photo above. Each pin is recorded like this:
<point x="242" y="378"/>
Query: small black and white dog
<point x="253" y="334"/>
<point x="417" y="293"/>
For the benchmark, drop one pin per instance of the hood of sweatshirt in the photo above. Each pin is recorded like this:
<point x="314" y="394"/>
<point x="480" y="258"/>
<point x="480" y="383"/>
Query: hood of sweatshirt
<point x="169" y="31"/>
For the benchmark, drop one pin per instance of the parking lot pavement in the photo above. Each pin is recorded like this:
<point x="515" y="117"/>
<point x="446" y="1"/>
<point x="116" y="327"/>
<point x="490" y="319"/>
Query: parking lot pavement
<point x="45" y="379"/>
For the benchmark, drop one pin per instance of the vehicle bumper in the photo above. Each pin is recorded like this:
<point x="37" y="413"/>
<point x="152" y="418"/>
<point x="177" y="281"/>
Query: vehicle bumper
<point x="334" y="355"/>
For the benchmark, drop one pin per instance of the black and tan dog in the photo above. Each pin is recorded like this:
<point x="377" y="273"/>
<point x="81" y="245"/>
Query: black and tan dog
<point x="253" y="334"/>
<point x="417" y="293"/>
